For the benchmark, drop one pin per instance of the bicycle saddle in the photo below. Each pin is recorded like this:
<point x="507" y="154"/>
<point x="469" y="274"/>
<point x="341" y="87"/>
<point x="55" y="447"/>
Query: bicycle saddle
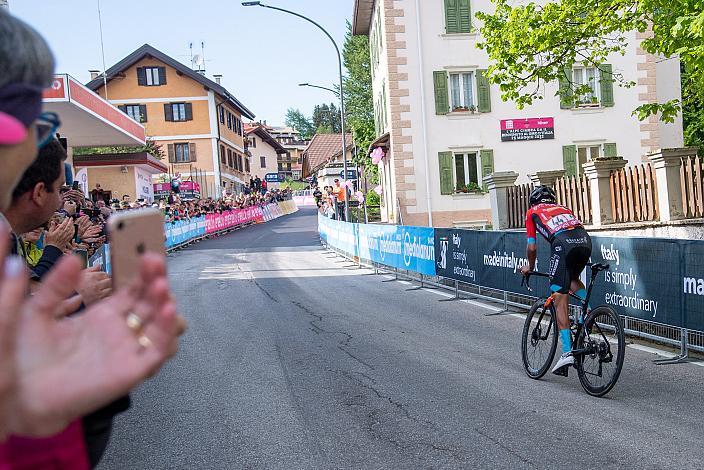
<point x="600" y="267"/>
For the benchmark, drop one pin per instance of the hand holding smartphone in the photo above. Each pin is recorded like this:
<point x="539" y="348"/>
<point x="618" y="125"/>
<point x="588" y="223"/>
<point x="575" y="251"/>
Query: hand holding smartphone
<point x="133" y="234"/>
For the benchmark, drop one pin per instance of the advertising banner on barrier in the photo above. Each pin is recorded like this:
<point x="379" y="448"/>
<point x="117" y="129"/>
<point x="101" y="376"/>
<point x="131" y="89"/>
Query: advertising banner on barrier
<point x="217" y="222"/>
<point x="660" y="280"/>
<point x="340" y="235"/>
<point x="645" y="279"/>
<point x="489" y="259"/>
<point x="409" y="248"/>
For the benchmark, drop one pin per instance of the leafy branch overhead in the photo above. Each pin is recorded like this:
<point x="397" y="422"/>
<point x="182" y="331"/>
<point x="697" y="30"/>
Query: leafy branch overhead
<point x="151" y="147"/>
<point x="530" y="45"/>
<point x="359" y="105"/>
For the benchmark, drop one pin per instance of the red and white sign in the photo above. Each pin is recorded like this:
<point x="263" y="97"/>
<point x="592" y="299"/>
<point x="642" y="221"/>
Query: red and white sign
<point x="527" y="129"/>
<point x="57" y="90"/>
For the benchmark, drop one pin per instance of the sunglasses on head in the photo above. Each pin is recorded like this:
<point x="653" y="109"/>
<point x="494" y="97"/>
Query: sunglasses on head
<point x="46" y="125"/>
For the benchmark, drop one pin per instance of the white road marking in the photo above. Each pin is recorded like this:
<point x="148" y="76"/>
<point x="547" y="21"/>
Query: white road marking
<point x="661" y="352"/>
<point x="651" y="350"/>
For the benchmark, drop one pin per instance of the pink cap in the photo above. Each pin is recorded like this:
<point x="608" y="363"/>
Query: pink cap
<point x="12" y="131"/>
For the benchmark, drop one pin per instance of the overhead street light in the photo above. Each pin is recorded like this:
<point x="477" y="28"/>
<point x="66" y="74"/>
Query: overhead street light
<point x="342" y="95"/>
<point x="334" y="92"/>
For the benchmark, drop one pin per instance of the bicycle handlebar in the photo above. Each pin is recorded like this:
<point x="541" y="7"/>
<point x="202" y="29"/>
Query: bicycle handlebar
<point x="526" y="278"/>
<point x="596" y="267"/>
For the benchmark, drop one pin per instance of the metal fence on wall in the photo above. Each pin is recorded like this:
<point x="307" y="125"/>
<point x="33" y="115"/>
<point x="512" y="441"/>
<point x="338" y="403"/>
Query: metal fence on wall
<point x="656" y="285"/>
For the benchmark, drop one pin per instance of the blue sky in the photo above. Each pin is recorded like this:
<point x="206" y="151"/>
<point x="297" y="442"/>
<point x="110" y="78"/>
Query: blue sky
<point x="262" y="54"/>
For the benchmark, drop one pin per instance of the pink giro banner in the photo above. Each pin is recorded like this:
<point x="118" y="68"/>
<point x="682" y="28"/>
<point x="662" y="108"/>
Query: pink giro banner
<point x="217" y="222"/>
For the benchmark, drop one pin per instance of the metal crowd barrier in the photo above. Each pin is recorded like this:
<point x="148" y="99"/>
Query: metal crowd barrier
<point x="683" y="338"/>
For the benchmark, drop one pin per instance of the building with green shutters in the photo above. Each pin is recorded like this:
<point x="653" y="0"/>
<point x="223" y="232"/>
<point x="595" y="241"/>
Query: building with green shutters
<point x="444" y="128"/>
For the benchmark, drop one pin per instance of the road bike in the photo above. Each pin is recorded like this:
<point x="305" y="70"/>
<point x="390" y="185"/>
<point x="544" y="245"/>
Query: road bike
<point x="597" y="339"/>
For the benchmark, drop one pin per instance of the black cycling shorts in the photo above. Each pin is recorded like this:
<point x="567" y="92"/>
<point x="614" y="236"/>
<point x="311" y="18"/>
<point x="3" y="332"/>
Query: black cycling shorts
<point x="571" y="250"/>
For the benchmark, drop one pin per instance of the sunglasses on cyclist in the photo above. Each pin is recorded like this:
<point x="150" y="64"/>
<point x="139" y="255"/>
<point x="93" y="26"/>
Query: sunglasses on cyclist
<point x="46" y="125"/>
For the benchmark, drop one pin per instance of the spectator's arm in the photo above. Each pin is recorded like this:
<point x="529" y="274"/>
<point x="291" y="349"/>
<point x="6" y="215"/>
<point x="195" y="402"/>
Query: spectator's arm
<point x="49" y="257"/>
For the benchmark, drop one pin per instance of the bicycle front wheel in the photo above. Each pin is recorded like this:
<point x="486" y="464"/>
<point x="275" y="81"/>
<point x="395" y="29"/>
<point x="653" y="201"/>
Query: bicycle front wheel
<point x="603" y="341"/>
<point x="539" y="340"/>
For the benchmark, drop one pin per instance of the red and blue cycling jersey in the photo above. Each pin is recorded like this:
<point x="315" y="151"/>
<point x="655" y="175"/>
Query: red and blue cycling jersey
<point x="549" y="220"/>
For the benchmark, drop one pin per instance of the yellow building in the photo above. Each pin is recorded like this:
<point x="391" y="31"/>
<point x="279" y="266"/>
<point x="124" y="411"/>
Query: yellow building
<point x="196" y="120"/>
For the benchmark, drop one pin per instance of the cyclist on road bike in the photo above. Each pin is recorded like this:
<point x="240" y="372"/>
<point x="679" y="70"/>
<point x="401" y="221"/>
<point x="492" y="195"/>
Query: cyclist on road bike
<point x="571" y="249"/>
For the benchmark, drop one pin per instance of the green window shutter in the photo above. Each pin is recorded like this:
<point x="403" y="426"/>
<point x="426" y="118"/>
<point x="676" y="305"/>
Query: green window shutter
<point x="610" y="150"/>
<point x="606" y="84"/>
<point x="189" y="111"/>
<point x="569" y="159"/>
<point x="143" y="112"/>
<point x="442" y="103"/>
<point x="565" y="80"/>
<point x="487" y="158"/>
<point x="464" y="17"/>
<point x="483" y="92"/>
<point x="445" y="159"/>
<point x="451" y="17"/>
<point x="168" y="112"/>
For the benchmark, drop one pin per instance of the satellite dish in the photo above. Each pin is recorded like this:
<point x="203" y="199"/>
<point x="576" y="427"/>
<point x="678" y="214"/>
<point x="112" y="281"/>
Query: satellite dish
<point x="198" y="60"/>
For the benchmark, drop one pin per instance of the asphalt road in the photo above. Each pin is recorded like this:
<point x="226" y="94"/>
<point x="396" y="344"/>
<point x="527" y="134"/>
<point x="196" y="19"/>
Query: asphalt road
<point x="293" y="361"/>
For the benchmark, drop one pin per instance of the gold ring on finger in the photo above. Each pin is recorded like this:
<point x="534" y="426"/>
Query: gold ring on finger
<point x="134" y="323"/>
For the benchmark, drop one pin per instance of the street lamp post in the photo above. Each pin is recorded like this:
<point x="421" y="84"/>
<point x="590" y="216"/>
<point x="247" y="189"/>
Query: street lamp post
<point x="334" y="92"/>
<point x="342" y="95"/>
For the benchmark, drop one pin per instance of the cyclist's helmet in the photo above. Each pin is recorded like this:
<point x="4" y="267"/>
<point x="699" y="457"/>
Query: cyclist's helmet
<point x="542" y="195"/>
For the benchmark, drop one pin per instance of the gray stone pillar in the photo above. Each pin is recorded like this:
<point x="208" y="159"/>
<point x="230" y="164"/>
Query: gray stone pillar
<point x="498" y="184"/>
<point x="666" y="164"/>
<point x="546" y="178"/>
<point x="598" y="172"/>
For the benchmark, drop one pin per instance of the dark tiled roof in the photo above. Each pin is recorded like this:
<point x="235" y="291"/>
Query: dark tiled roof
<point x="147" y="50"/>
<point x="261" y="132"/>
<point x="322" y="148"/>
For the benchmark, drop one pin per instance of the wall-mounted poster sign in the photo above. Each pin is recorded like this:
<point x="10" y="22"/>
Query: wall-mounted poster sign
<point x="527" y="129"/>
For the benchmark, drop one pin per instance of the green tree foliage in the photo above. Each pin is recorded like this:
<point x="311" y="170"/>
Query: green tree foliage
<point x="296" y="119"/>
<point x="151" y="147"/>
<point x="692" y="112"/>
<point x="326" y="119"/>
<point x="359" y="106"/>
<point x="531" y="44"/>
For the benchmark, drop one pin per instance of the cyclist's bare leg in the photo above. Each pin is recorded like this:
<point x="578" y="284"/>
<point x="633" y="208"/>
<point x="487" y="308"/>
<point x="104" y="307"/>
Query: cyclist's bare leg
<point x="561" y="302"/>
<point x="576" y="285"/>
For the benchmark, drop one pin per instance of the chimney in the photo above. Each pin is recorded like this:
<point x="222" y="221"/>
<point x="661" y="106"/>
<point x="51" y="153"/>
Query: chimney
<point x="94" y="74"/>
<point x="217" y="78"/>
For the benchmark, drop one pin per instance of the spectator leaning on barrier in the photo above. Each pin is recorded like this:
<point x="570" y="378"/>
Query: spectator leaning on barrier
<point x="53" y="369"/>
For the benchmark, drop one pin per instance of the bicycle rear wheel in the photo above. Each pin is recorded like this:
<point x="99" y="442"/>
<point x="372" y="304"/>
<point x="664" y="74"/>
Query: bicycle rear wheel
<point x="539" y="340"/>
<point x="603" y="338"/>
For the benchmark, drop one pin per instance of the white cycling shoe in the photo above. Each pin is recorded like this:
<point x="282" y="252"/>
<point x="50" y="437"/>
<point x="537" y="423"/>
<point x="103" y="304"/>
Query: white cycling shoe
<point x="563" y="364"/>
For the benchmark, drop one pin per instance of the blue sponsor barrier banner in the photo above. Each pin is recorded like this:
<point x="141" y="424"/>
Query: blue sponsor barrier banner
<point x="402" y="247"/>
<point x="182" y="231"/>
<point x="655" y="279"/>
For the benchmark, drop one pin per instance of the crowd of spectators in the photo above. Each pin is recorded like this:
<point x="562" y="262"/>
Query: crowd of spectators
<point x="72" y="350"/>
<point x="331" y="200"/>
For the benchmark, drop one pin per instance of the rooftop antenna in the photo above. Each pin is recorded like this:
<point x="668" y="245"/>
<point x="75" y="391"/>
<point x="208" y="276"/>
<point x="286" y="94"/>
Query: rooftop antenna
<point x="190" y="46"/>
<point x="102" y="50"/>
<point x="202" y="51"/>
<point x="198" y="63"/>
